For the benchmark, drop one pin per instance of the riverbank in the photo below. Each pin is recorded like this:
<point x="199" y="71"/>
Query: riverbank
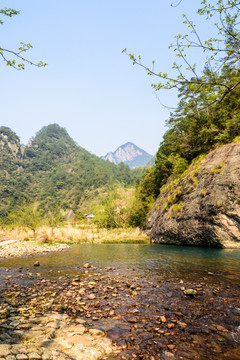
<point x="113" y="313"/>
<point x="61" y="239"/>
<point x="26" y="248"/>
<point x="73" y="233"/>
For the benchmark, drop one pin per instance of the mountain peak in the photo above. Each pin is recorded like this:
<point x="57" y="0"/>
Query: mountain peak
<point x="51" y="139"/>
<point x="53" y="131"/>
<point x="130" y="154"/>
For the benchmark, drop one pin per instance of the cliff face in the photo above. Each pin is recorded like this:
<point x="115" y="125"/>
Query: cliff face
<point x="202" y="207"/>
<point x="10" y="144"/>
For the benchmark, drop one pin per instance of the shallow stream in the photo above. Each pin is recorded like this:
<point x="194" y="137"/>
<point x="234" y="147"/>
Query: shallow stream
<point x="136" y="295"/>
<point x="169" y="261"/>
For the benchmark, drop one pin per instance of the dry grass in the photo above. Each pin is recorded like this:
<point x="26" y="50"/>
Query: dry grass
<point x="77" y="233"/>
<point x="17" y="233"/>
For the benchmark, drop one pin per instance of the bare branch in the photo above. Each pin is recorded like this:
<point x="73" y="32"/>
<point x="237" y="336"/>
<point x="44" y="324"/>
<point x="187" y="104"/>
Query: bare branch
<point x="179" y="2"/>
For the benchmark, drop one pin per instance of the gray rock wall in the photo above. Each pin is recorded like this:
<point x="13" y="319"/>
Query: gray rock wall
<point x="202" y="208"/>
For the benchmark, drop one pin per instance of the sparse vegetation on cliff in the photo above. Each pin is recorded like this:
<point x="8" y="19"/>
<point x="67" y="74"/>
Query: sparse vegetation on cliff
<point x="201" y="207"/>
<point x="218" y="168"/>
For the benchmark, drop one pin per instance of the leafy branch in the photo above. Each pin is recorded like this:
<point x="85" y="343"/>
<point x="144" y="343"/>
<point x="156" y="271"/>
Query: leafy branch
<point x="170" y="82"/>
<point x="19" y="61"/>
<point x="220" y="52"/>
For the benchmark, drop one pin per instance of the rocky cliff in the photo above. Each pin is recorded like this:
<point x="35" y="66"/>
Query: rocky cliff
<point x="10" y="144"/>
<point x="201" y="207"/>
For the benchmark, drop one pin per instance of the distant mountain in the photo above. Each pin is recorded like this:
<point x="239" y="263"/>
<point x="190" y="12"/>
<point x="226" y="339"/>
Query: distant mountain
<point x="130" y="154"/>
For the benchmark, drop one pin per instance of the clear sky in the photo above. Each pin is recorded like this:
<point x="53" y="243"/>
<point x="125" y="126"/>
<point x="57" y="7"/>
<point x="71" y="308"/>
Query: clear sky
<point x="90" y="87"/>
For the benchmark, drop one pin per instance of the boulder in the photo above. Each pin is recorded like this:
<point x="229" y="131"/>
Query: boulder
<point x="202" y="206"/>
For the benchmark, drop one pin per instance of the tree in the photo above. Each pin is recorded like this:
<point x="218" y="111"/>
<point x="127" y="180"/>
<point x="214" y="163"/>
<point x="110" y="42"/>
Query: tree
<point x="19" y="60"/>
<point x="144" y="198"/>
<point x="26" y="215"/>
<point x="53" y="218"/>
<point x="115" y="209"/>
<point x="221" y="52"/>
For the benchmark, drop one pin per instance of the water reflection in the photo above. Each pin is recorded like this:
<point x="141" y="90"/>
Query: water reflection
<point x="149" y="258"/>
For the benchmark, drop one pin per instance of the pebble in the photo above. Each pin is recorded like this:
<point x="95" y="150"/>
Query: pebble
<point x="163" y="319"/>
<point x="166" y="355"/>
<point x="190" y="292"/>
<point x="22" y="357"/>
<point x="34" y="356"/>
<point x="91" y="296"/>
<point x="171" y="347"/>
<point x="87" y="265"/>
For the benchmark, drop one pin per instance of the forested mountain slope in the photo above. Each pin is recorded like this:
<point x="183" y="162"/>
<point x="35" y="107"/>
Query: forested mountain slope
<point x="52" y="171"/>
<point x="185" y="212"/>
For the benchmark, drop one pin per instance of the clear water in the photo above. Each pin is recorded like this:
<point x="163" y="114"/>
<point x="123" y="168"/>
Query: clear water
<point x="168" y="260"/>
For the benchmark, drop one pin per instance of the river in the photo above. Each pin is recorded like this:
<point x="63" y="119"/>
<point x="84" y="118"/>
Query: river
<point x="177" y="261"/>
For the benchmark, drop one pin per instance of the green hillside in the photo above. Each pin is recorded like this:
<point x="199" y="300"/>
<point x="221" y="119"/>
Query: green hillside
<point x="53" y="171"/>
<point x="194" y="130"/>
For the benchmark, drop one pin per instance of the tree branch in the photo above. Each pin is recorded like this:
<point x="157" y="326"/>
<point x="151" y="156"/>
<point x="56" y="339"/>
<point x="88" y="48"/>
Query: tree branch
<point x="20" y="66"/>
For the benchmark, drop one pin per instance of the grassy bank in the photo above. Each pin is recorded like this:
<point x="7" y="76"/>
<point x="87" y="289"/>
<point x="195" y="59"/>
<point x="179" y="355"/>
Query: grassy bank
<point x="76" y="233"/>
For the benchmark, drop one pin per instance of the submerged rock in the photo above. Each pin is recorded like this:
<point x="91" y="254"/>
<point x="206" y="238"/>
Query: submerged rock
<point x="190" y="292"/>
<point x="202" y="207"/>
<point x="87" y="266"/>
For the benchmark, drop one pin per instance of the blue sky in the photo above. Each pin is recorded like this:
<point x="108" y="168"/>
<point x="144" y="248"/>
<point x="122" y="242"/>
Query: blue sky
<point x="89" y="86"/>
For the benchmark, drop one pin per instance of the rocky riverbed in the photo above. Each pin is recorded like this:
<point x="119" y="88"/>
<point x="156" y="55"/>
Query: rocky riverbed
<point x="110" y="313"/>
